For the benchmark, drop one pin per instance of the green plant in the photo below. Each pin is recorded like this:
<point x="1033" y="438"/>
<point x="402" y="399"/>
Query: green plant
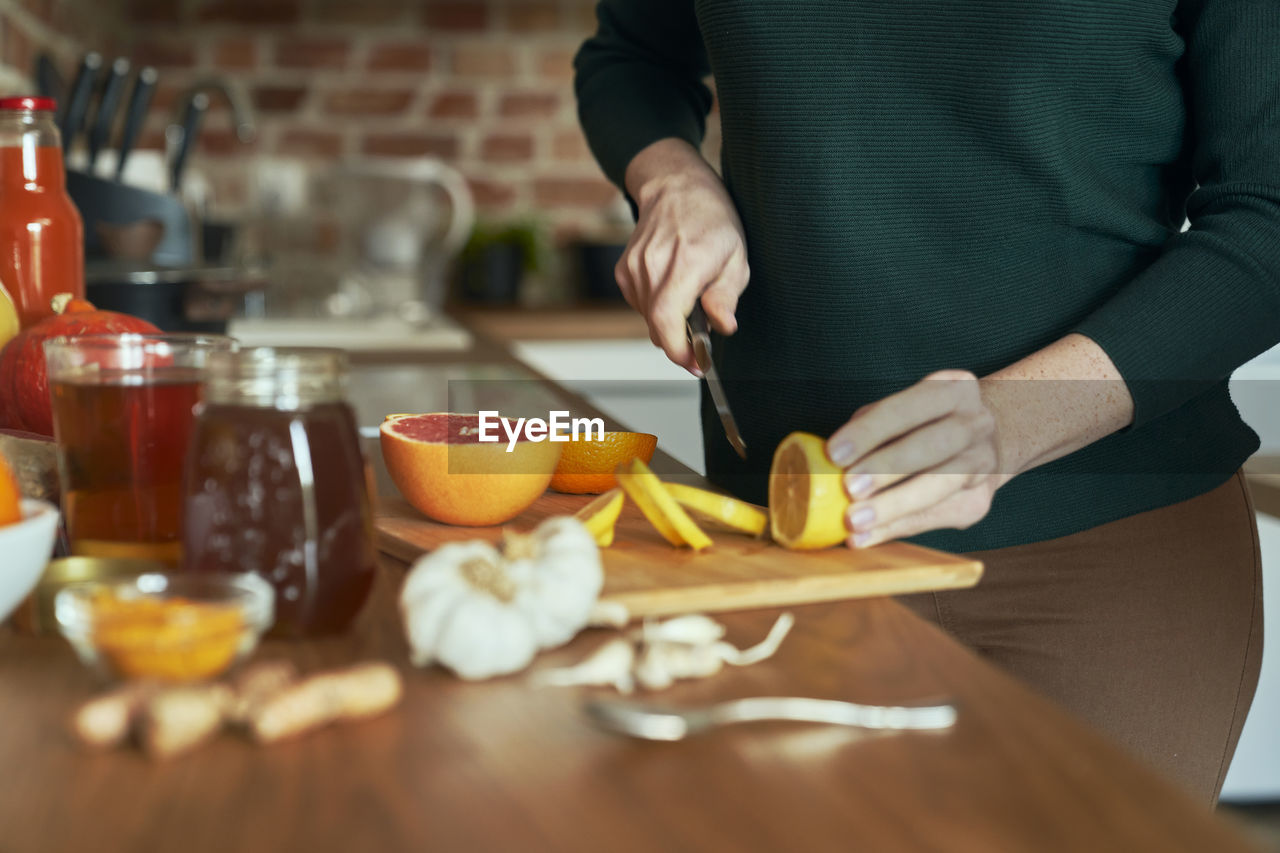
<point x="530" y="235"/>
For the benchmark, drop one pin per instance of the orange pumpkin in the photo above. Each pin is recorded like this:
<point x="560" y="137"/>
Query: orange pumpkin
<point x="24" y="383"/>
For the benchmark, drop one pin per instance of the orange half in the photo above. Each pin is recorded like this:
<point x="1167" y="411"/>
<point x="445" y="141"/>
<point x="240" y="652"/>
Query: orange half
<point x="587" y="466"/>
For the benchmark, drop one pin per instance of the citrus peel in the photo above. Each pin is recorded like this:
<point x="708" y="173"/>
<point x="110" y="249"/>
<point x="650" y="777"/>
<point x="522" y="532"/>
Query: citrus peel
<point x="732" y="513"/>
<point x="601" y="515"/>
<point x="659" y="507"/>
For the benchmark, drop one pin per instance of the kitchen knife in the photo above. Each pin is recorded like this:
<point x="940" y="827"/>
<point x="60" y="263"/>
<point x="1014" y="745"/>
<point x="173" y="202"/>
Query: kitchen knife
<point x="108" y="102"/>
<point x="700" y="338"/>
<point x="190" y="126"/>
<point x="135" y="115"/>
<point x="78" y="100"/>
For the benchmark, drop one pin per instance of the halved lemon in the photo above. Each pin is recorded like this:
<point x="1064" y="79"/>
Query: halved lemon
<point x="644" y="487"/>
<point x="732" y="513"/>
<point x="807" y="501"/>
<point x="600" y="516"/>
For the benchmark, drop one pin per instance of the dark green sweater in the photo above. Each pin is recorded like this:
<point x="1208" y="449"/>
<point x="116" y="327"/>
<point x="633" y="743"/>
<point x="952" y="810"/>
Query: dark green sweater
<point x="931" y="184"/>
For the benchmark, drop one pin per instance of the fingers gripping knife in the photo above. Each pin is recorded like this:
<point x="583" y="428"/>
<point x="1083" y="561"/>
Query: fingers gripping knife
<point x="700" y="338"/>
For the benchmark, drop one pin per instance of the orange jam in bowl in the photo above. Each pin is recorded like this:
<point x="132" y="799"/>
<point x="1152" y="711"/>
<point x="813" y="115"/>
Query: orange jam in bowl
<point x="165" y="628"/>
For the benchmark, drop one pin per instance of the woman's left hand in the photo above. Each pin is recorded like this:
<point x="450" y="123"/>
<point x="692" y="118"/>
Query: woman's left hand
<point x="923" y="459"/>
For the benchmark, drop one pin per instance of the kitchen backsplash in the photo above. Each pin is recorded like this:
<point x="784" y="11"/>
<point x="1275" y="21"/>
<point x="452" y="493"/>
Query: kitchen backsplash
<point x="61" y="27"/>
<point x="484" y="85"/>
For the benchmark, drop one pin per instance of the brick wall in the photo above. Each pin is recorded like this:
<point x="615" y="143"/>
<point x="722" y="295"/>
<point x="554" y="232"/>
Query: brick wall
<point x="60" y="27"/>
<point x="485" y="85"/>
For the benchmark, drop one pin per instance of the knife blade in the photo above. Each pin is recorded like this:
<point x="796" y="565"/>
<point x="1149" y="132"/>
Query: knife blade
<point x="700" y="337"/>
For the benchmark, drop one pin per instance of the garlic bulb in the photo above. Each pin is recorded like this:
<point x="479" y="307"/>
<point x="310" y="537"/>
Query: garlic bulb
<point x="483" y="612"/>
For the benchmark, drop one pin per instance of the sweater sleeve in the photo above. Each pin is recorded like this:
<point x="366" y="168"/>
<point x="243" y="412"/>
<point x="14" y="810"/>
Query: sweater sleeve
<point x="640" y="79"/>
<point x="1211" y="300"/>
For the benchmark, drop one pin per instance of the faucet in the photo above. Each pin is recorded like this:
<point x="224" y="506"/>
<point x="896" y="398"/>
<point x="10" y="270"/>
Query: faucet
<point x="241" y="111"/>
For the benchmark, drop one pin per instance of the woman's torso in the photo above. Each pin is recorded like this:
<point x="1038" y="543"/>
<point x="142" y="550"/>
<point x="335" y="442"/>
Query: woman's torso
<point x="930" y="185"/>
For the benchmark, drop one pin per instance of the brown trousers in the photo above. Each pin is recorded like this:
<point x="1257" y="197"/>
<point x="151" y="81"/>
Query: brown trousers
<point x="1148" y="628"/>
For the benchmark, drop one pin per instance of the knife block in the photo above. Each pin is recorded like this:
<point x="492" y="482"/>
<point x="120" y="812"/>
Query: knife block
<point x="117" y="206"/>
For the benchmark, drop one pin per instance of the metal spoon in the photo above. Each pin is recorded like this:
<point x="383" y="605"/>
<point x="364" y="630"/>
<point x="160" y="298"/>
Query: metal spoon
<point x="653" y="722"/>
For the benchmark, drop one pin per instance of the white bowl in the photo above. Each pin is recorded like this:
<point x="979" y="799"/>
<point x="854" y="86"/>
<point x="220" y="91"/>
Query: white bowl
<point x="25" y="549"/>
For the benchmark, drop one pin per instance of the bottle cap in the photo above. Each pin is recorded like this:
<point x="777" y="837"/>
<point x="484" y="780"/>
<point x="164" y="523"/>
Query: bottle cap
<point x="28" y="102"/>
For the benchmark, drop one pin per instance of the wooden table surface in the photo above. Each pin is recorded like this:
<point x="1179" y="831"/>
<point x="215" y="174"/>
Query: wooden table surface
<point x="503" y="766"/>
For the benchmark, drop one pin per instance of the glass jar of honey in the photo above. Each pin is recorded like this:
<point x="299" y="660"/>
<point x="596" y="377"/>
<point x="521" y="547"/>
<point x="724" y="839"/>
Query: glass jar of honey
<point x="275" y="484"/>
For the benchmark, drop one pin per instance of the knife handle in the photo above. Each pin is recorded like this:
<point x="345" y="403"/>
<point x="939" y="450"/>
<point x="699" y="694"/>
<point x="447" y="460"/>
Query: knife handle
<point x="78" y="100"/>
<point x="135" y="116"/>
<point x="104" y="117"/>
<point x="190" y="127"/>
<point x="49" y="82"/>
<point x="697" y="322"/>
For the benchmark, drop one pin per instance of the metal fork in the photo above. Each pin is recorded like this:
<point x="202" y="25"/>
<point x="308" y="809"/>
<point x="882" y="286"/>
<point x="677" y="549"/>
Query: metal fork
<point x="653" y="722"/>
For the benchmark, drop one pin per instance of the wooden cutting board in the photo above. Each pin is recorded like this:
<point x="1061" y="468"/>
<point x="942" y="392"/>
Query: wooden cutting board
<point x="652" y="578"/>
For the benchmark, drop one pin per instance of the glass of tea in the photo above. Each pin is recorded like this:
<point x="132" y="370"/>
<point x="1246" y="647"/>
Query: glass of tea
<point x="276" y="485"/>
<point x="123" y="410"/>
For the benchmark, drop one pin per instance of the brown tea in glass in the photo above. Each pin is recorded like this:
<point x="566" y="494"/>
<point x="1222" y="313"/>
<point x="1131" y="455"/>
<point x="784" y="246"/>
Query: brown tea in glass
<point x="123" y="410"/>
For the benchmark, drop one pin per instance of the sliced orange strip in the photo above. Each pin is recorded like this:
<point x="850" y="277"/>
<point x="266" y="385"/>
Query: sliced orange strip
<point x="601" y="515"/>
<point x="675" y="525"/>
<point x="732" y="513"/>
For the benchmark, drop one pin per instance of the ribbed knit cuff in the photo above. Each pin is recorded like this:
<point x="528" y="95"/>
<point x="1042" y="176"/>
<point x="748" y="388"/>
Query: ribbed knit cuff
<point x="1207" y="305"/>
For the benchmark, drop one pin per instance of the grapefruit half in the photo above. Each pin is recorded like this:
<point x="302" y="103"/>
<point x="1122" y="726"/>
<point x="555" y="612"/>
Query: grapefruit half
<point x="444" y="471"/>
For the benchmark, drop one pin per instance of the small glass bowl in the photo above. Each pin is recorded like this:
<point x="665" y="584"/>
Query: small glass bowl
<point x="165" y="627"/>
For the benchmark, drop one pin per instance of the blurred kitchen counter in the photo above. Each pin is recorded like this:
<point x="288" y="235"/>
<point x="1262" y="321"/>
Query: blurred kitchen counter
<point x="564" y="322"/>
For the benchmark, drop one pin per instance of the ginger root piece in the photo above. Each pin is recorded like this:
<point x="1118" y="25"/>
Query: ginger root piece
<point x="106" y="720"/>
<point x="364" y="690"/>
<point x="178" y="719"/>
<point x="257" y="683"/>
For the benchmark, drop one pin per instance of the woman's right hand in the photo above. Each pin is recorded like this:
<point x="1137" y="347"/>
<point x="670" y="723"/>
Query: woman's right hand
<point x="688" y="244"/>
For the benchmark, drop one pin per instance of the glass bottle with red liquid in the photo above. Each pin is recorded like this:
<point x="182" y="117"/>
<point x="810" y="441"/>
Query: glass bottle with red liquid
<point x="41" y="234"/>
<point x="275" y="484"/>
